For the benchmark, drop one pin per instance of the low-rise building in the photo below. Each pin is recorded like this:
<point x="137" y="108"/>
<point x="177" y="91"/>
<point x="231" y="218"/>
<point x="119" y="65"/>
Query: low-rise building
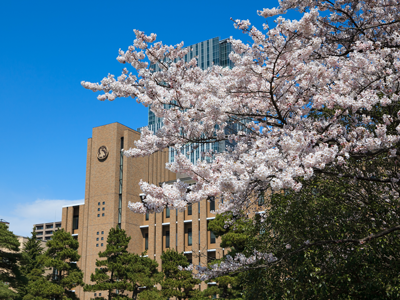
<point x="45" y="231"/>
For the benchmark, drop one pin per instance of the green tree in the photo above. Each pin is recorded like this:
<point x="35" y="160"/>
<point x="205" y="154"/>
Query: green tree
<point x="143" y="275"/>
<point x="335" y="239"/>
<point x="10" y="274"/>
<point x="120" y="272"/>
<point x="225" y="287"/>
<point x="177" y="283"/>
<point x="61" y="257"/>
<point x="6" y="293"/>
<point x="30" y="266"/>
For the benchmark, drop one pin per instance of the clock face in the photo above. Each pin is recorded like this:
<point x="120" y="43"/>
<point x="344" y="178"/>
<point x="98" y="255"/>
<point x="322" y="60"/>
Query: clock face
<point x="102" y="153"/>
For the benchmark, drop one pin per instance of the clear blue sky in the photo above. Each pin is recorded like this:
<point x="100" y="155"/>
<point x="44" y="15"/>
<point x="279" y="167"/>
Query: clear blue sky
<point x="47" y="49"/>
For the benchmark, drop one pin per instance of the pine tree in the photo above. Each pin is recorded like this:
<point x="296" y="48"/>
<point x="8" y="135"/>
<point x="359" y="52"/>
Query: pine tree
<point x="226" y="287"/>
<point x="30" y="266"/>
<point x="143" y="275"/>
<point x="6" y="293"/>
<point x="177" y="283"/>
<point x="10" y="273"/>
<point x="62" y="257"/>
<point x="112" y="266"/>
<point x="120" y="272"/>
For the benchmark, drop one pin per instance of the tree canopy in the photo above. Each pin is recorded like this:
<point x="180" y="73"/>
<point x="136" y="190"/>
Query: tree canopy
<point x="304" y="99"/>
<point x="61" y="259"/>
<point x="120" y="271"/>
<point x="10" y="274"/>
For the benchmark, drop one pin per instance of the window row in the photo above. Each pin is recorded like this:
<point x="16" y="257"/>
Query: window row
<point x="98" y="215"/>
<point x="100" y="202"/>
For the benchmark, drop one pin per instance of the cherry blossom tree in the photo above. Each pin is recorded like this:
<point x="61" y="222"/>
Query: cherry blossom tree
<point x="307" y="94"/>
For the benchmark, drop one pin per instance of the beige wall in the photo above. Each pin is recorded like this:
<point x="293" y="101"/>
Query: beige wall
<point x="102" y="185"/>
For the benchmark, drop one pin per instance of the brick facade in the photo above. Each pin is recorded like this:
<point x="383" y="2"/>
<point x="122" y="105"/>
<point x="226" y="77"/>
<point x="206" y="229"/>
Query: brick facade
<point x="102" y="196"/>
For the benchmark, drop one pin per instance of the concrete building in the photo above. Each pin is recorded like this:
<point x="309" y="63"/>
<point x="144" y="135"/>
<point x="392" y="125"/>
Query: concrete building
<point x="45" y="231"/>
<point x="112" y="180"/>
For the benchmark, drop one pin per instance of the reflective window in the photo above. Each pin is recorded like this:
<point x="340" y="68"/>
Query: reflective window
<point x="189" y="231"/>
<point x="190" y="209"/>
<point x="167" y="239"/>
<point x="212" y="237"/>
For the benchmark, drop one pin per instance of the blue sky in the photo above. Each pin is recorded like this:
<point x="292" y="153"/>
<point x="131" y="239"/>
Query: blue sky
<point x="47" y="49"/>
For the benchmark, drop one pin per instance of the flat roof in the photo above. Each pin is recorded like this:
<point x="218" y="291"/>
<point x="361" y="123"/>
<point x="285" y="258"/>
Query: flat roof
<point x="77" y="204"/>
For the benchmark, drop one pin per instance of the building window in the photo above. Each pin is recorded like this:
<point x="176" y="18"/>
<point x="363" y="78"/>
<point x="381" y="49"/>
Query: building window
<point x="146" y="241"/>
<point x="104" y="208"/>
<point x="102" y="214"/>
<point x="97" y="245"/>
<point x="49" y="226"/>
<point x="97" y="233"/>
<point x="167" y="213"/>
<point x="212" y="237"/>
<point x="104" y="202"/>
<point x="167" y="239"/>
<point x="102" y="244"/>
<point x="98" y="203"/>
<point x="102" y="232"/>
<point x="58" y="225"/>
<point x="222" y="198"/>
<point x="48" y="238"/>
<point x="98" y="209"/>
<point x="49" y="232"/>
<point x="102" y="238"/>
<point x="99" y="294"/>
<point x="261" y="199"/>
<point x="97" y="239"/>
<point x="95" y="294"/>
<point x="98" y="215"/>
<point x="75" y="222"/>
<point x="39" y="227"/>
<point x="190" y="209"/>
<point x="212" y="203"/>
<point x="189" y="231"/>
<point x="147" y="216"/>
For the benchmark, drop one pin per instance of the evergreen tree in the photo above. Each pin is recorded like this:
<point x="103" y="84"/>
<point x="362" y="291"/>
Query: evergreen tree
<point x="111" y="276"/>
<point x="121" y="272"/>
<point x="142" y="273"/>
<point x="30" y="266"/>
<point x="177" y="283"/>
<point x="6" y="293"/>
<point x="226" y="287"/>
<point x="10" y="273"/>
<point x="61" y="257"/>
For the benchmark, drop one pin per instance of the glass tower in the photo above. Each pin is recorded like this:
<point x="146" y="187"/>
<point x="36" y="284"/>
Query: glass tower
<point x="209" y="52"/>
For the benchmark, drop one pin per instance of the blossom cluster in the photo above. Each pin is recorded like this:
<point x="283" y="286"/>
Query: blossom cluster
<point x="229" y="265"/>
<point x="304" y="91"/>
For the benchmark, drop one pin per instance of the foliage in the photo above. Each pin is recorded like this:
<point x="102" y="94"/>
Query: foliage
<point x="120" y="271"/>
<point x="328" y="241"/>
<point x="316" y="96"/>
<point x="30" y="266"/>
<point x="6" y="293"/>
<point x="9" y="261"/>
<point x="177" y="283"/>
<point x="61" y="257"/>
